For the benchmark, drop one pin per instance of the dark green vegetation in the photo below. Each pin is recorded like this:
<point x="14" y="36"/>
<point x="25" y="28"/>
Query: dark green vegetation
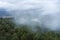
<point x="9" y="32"/>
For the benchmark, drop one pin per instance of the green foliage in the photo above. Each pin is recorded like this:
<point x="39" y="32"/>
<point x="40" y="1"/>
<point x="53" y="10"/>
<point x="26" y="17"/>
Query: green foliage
<point x="9" y="32"/>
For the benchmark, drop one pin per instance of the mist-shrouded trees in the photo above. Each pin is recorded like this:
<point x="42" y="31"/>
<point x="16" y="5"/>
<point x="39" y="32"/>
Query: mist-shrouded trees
<point x="9" y="31"/>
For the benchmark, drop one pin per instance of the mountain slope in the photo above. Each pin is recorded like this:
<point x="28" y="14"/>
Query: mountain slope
<point x="3" y="12"/>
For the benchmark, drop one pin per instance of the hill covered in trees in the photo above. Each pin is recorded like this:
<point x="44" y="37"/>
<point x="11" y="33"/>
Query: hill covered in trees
<point x="9" y="31"/>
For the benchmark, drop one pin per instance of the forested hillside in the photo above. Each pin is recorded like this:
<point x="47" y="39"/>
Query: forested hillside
<point x="9" y="31"/>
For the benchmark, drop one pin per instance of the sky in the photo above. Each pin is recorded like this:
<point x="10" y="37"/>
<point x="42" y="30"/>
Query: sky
<point x="42" y="11"/>
<point x="28" y="4"/>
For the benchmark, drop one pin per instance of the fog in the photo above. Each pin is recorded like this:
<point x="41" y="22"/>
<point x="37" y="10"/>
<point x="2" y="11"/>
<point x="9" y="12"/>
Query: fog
<point x="45" y="13"/>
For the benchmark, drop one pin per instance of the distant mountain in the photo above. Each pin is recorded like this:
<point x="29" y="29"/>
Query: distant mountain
<point x="3" y="12"/>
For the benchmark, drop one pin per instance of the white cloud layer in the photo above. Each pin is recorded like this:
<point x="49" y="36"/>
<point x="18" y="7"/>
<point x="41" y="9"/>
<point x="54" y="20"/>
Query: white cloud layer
<point x="27" y="4"/>
<point x="30" y="10"/>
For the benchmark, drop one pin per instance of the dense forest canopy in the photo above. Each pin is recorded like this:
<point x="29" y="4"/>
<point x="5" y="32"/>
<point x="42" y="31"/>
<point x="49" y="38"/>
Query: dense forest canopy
<point x="9" y="31"/>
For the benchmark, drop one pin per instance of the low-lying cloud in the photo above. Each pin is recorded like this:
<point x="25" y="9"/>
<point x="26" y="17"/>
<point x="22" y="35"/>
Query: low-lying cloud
<point x="32" y="12"/>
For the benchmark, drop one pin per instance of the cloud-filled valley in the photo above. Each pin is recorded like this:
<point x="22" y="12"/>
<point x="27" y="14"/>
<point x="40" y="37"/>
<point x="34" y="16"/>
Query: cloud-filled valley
<point x="32" y="12"/>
